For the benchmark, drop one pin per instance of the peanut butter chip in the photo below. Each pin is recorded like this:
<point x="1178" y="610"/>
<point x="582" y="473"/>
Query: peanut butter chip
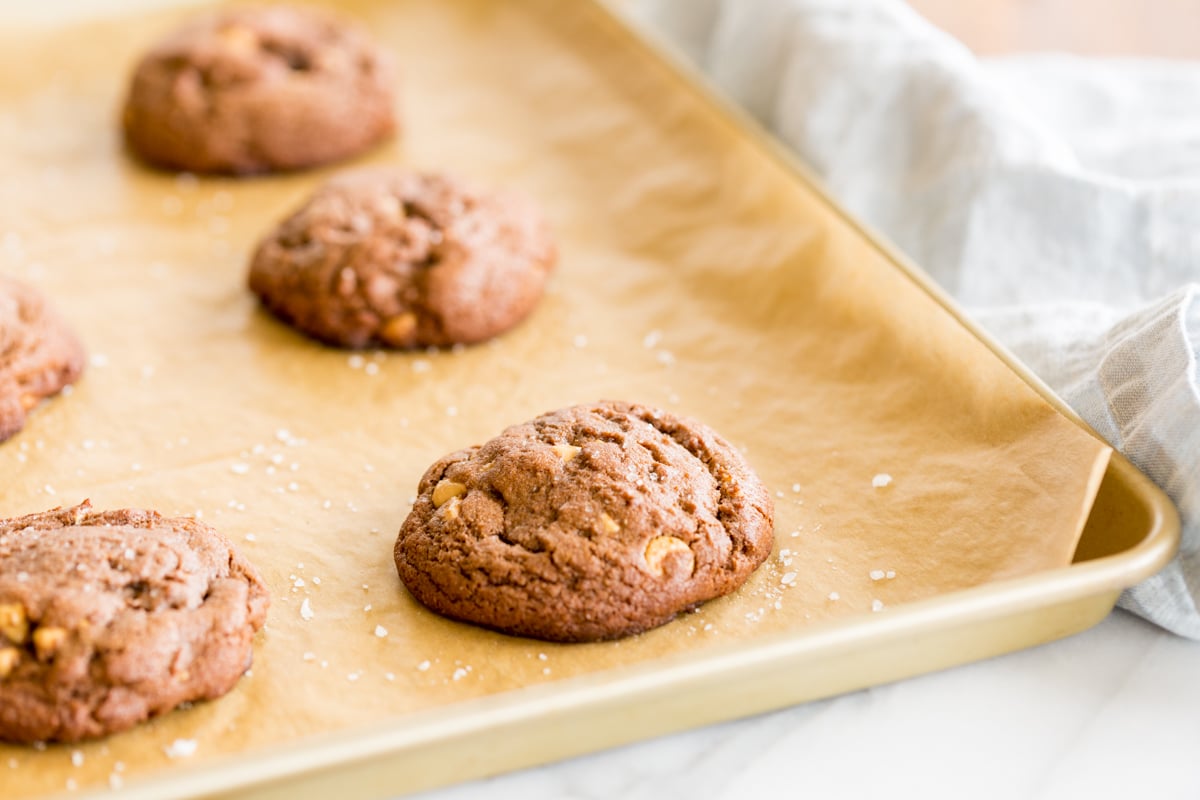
<point x="566" y="451"/>
<point x="47" y="640"/>
<point x="239" y="38"/>
<point x="450" y="509"/>
<point x="398" y="330"/>
<point x="13" y="622"/>
<point x="608" y="524"/>
<point x="445" y="490"/>
<point x="660" y="547"/>
<point x="9" y="656"/>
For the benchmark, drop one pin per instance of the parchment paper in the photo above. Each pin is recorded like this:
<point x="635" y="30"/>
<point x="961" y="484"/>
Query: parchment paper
<point x="696" y="274"/>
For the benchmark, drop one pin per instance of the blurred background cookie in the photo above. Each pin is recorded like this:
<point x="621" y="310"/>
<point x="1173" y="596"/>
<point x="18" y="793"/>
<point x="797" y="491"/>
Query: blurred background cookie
<point x="109" y="618"/>
<point x="259" y="89"/>
<point x="591" y="522"/>
<point x="39" y="354"/>
<point x="390" y="258"/>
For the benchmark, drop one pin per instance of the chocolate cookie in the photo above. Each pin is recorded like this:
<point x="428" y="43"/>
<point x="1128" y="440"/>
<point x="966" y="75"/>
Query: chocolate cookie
<point x="259" y="89"/>
<point x="399" y="259"/>
<point x="39" y="354"/>
<point x="591" y="522"/>
<point x="109" y="618"/>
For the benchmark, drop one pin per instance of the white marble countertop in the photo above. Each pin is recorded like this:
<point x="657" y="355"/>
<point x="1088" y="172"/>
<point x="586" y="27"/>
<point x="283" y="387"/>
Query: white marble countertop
<point x="1111" y="712"/>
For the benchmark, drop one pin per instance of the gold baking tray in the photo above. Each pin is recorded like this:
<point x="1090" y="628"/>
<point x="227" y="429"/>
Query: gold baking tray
<point x="702" y="270"/>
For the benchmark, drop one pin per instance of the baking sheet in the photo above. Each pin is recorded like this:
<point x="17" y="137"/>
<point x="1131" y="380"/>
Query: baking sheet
<point x="695" y="274"/>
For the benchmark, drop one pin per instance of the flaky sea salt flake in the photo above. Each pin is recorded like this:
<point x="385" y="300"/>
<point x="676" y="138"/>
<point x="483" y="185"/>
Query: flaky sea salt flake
<point x="181" y="748"/>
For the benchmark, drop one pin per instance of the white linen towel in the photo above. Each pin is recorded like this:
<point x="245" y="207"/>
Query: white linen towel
<point x="1057" y="198"/>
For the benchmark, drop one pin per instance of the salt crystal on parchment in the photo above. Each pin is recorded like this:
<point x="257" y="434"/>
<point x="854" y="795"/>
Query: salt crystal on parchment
<point x="181" y="748"/>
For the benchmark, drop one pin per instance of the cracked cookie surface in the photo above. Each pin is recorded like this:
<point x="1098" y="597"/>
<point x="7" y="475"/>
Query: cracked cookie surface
<point x="108" y="618"/>
<point x="390" y="258"/>
<point x="261" y="89"/>
<point x="39" y="354"/>
<point x="591" y="522"/>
